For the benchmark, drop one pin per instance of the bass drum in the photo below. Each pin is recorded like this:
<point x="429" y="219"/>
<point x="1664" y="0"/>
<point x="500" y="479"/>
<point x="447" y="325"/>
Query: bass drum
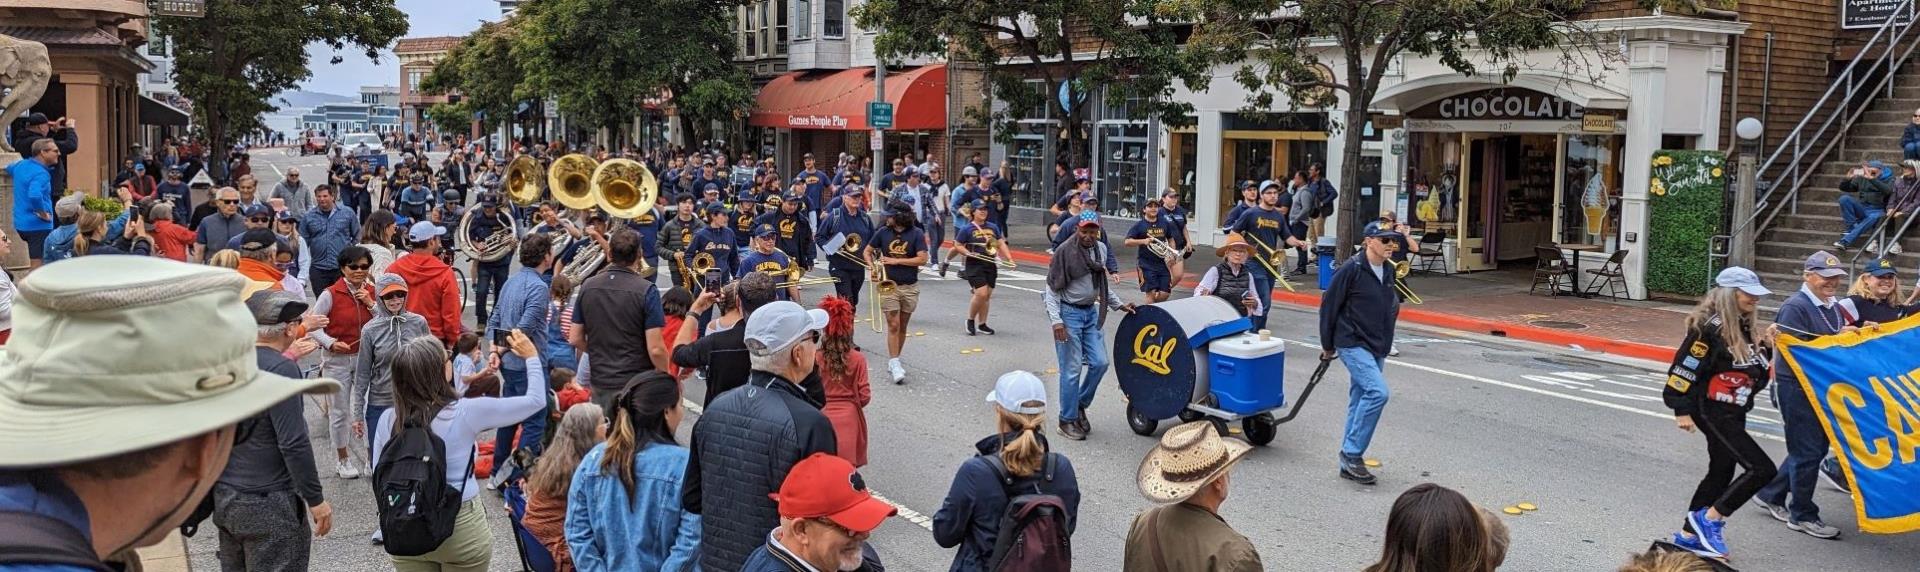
<point x="1160" y="355"/>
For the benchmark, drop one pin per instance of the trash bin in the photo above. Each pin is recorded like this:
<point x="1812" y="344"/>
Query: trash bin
<point x="1323" y="250"/>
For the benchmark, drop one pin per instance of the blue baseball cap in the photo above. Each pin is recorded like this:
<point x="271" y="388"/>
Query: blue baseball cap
<point x="1880" y="267"/>
<point x="764" y="231"/>
<point x="747" y="197"/>
<point x="1745" y="280"/>
<point x="978" y="204"/>
<point x="716" y="208"/>
<point x="1382" y="232"/>
<point x="1825" y="264"/>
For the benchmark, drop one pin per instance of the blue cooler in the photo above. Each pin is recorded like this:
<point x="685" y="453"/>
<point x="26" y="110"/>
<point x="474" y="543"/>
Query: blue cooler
<point x="1247" y="374"/>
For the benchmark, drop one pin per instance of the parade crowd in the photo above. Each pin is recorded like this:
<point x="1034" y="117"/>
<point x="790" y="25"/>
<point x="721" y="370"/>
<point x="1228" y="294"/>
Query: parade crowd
<point x="148" y="394"/>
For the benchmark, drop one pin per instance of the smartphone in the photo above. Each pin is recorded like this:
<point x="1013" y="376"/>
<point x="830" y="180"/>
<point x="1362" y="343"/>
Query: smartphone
<point x="711" y="282"/>
<point x="501" y="338"/>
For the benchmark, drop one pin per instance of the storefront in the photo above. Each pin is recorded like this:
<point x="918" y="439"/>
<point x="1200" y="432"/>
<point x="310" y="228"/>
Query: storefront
<point x="825" y="113"/>
<point x="1125" y="156"/>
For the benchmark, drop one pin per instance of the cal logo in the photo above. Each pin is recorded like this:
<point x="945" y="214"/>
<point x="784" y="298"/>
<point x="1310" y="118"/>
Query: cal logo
<point x="897" y="247"/>
<point x="1678" y="384"/>
<point x="786" y="228"/>
<point x="1153" y="357"/>
<point x="1698" y="350"/>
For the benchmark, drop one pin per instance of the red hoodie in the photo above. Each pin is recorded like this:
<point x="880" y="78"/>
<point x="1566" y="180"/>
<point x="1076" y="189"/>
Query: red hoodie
<point x="431" y="293"/>
<point x="172" y="240"/>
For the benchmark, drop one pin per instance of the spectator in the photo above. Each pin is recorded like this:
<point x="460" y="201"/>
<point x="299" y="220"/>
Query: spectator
<point x="1901" y="206"/>
<point x="65" y="137"/>
<point x="348" y="306"/>
<point x="294" y="194"/>
<point x="1432" y="527"/>
<point x="826" y="516"/>
<point x="843" y="373"/>
<point x="581" y="429"/>
<point x="624" y="509"/>
<point x="377" y="237"/>
<point x="228" y="259"/>
<point x="1497" y="538"/>
<point x="33" y="194"/>
<point x="1358" y="313"/>
<point x="249" y="188"/>
<point x="1910" y="138"/>
<point x="747" y="441"/>
<point x="170" y="422"/>
<point x="618" y="320"/>
<point x="7" y="291"/>
<point x="1013" y="461"/>
<point x="1657" y="561"/>
<point x="294" y="258"/>
<point x="434" y="292"/>
<point x="257" y="250"/>
<point x="176" y="192"/>
<point x="562" y="293"/>
<point x="1875" y="296"/>
<point x="675" y="303"/>
<point x="142" y="185"/>
<point x="721" y="356"/>
<point x="218" y="230"/>
<point x="1187" y="475"/>
<point x="523" y="308"/>
<point x="370" y="390"/>
<point x="269" y="494"/>
<point x="328" y="227"/>
<point x="1809" y="313"/>
<point x="423" y="398"/>
<point x="169" y="239"/>
<point x="93" y="238"/>
<point x="1863" y="200"/>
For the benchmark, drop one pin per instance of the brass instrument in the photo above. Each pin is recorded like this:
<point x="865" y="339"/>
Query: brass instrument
<point x="587" y="261"/>
<point x="797" y="276"/>
<point x="1163" y="250"/>
<point x="991" y="254"/>
<point x="702" y="262"/>
<point x="680" y="268"/>
<point x="523" y="181"/>
<point x="1400" y="271"/>
<point x="625" y="189"/>
<point x="571" y="180"/>
<point x="1273" y="261"/>
<point x="496" y="246"/>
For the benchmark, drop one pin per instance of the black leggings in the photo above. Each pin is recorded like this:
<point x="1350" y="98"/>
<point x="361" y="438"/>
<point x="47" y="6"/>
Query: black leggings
<point x="1728" y="444"/>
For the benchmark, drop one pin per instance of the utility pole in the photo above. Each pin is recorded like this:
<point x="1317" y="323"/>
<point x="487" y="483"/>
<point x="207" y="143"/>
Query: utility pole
<point x="879" y="135"/>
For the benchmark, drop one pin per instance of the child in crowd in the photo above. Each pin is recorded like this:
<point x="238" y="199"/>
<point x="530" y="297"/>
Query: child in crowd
<point x="470" y="364"/>
<point x="675" y="303"/>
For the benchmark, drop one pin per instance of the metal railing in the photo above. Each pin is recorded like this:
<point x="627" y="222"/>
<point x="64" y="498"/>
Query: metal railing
<point x="1798" y="157"/>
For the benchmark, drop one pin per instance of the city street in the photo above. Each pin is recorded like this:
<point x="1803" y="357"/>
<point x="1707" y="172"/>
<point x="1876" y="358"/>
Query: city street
<point x="1583" y="436"/>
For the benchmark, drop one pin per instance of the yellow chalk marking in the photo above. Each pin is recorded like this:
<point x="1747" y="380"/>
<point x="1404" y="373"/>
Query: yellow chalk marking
<point x="1527" y="506"/>
<point x="1512" y="510"/>
<point x="1373" y="462"/>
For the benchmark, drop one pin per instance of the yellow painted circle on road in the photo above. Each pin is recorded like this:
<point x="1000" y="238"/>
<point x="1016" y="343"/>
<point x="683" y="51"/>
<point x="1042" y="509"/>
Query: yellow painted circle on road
<point x="1527" y="506"/>
<point x="1512" y="510"/>
<point x="1373" y="462"/>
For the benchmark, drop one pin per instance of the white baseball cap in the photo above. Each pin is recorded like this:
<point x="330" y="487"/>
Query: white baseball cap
<point x="1018" y="391"/>
<point x="1745" y="280"/>
<point x="424" y="231"/>
<point x="779" y="324"/>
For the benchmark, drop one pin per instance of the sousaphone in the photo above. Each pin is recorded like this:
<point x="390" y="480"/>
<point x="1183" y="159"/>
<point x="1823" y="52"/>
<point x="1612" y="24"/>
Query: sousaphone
<point x="571" y="180"/>
<point x="523" y="181"/>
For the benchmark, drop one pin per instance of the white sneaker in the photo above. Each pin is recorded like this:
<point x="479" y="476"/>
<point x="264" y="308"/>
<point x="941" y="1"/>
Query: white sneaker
<point x="347" y="469"/>
<point x="1895" y="249"/>
<point x="1393" y="350"/>
<point x="1872" y="246"/>
<point x="899" y="372"/>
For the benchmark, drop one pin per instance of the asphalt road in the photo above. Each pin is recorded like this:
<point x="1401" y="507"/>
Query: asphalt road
<point x="1581" y="435"/>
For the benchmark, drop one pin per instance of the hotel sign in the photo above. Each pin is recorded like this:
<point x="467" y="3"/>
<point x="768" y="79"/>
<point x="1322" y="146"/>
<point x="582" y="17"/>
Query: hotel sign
<point x="1871" y="14"/>
<point x="179" y="8"/>
<point x="1502" y="103"/>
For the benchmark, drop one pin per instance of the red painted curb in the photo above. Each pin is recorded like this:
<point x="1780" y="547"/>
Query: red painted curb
<point x="1459" y="322"/>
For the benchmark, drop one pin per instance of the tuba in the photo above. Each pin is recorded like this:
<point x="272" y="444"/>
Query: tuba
<point x="496" y="246"/>
<point x="626" y="190"/>
<point x="522" y="185"/>
<point x="571" y="180"/>
<point x="587" y="261"/>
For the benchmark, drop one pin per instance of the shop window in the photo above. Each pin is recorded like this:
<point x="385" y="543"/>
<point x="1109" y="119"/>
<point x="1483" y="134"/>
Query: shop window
<point x="803" y="24"/>
<point x="1590" y="197"/>
<point x="836" y="19"/>
<point x="1027" y="166"/>
<point x="1184" y="164"/>
<point x="1125" y="152"/>
<point x="1433" y="182"/>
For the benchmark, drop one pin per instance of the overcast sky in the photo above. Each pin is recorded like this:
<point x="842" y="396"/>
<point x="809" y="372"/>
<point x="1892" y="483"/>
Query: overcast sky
<point x="428" y="18"/>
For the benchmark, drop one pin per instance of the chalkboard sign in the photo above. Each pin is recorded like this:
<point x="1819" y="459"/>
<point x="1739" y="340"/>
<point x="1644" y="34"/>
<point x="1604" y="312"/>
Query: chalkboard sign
<point x="1871" y="14"/>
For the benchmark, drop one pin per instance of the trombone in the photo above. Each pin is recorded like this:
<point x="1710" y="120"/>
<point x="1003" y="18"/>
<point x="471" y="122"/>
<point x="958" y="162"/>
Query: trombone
<point x="1273" y="260"/>
<point x="797" y="276"/>
<point x="991" y="254"/>
<point x="873" y="299"/>
<point x="1400" y="271"/>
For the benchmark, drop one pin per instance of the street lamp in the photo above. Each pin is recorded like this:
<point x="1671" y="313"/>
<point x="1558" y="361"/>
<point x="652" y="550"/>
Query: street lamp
<point x="1744" y="190"/>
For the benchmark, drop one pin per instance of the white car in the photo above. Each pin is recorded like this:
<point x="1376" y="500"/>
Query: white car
<point x="357" y="144"/>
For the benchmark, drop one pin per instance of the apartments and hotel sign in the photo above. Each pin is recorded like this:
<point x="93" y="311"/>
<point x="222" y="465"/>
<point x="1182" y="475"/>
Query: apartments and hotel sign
<point x="1871" y="14"/>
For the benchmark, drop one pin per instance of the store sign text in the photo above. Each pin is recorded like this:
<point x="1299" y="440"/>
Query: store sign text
<point x="817" y="121"/>
<point x="1500" y="103"/>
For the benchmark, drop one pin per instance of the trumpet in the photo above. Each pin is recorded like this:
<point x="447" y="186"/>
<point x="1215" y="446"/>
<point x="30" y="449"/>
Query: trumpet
<point x="797" y="276"/>
<point x="1273" y="261"/>
<point x="1400" y="271"/>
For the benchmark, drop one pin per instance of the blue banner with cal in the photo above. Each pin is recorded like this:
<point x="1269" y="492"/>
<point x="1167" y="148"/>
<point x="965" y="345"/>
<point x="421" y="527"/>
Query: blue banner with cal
<point x="1865" y="387"/>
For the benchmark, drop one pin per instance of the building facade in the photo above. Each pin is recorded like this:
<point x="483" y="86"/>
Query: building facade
<point x="417" y="57"/>
<point x="343" y="118"/>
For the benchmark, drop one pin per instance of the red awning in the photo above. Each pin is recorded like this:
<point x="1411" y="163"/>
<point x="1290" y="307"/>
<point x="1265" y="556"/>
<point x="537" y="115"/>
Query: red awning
<point x="838" y="100"/>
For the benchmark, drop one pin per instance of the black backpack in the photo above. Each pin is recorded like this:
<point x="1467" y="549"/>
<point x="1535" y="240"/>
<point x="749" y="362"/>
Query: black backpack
<point x="1323" y="197"/>
<point x="1033" y="532"/>
<point x="417" y="506"/>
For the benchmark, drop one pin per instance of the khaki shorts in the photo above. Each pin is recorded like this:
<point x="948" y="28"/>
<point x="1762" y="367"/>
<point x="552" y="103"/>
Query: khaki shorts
<point x="905" y="298"/>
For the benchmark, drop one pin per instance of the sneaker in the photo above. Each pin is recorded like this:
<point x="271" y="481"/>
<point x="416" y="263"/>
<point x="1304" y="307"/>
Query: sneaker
<point x="1692" y="543"/>
<point x="1356" y="472"/>
<point x="1837" y="245"/>
<point x="347" y="469"/>
<point x="1709" y="531"/>
<point x="1895" y="249"/>
<point x="1778" y="511"/>
<point x="1830" y="475"/>
<point x="1814" y="528"/>
<point x="1393" y="349"/>
<point x="899" y="371"/>
<point x="377" y="538"/>
<point x="943" y="270"/>
<point x="986" y="330"/>
<point x="1872" y="246"/>
<point x="1071" y="430"/>
<point x="971" y="331"/>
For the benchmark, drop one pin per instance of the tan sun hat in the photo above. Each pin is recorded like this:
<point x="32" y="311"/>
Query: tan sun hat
<point x="1188" y="457"/>
<point x="114" y="354"/>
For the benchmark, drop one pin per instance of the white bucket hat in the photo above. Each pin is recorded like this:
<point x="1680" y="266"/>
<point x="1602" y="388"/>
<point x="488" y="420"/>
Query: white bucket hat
<point x="114" y="354"/>
<point x="1188" y="457"/>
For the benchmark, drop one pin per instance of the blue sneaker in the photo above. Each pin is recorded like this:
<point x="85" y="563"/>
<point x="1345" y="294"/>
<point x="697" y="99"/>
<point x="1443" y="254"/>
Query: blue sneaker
<point x="1692" y="543"/>
<point x="1709" y="532"/>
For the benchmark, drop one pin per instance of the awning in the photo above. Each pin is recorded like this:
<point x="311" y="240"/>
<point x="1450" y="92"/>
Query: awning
<point x="154" y="112"/>
<point x="1408" y="95"/>
<point x="838" y="100"/>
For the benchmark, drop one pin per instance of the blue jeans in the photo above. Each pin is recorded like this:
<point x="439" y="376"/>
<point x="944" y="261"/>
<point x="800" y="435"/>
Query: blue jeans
<point x="1366" y="398"/>
<point x="936" y="232"/>
<point x="1262" y="287"/>
<point x="1858" y="216"/>
<point x="1911" y="150"/>
<point x="490" y="280"/>
<point x="1806" y="447"/>
<point x="373" y="420"/>
<point x="514" y="382"/>
<point x="1085" y="345"/>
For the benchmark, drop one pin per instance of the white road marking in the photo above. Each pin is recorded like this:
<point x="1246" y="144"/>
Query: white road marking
<point x="908" y="514"/>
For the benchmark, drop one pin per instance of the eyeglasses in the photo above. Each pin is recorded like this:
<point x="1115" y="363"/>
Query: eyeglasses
<point x="359" y="266"/>
<point x="814" y="337"/>
<point x="394" y="296"/>
<point x="848" y="532"/>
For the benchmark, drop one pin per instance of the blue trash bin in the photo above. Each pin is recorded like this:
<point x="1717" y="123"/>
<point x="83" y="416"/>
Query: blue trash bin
<point x="1323" y="250"/>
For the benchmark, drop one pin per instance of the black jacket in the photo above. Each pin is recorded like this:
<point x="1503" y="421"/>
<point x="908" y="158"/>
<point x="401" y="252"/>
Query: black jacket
<point x="742" y="448"/>
<point x="1706" y="374"/>
<point x="1359" y="309"/>
<point x="970" y="516"/>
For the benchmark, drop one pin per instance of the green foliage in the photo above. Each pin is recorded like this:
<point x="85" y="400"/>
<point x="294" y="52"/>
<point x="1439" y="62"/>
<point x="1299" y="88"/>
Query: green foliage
<point x="451" y="117"/>
<point x="1685" y="201"/>
<point x="598" y="60"/>
<point x="235" y="59"/>
<point x="103" y="205"/>
<point x="484" y="70"/>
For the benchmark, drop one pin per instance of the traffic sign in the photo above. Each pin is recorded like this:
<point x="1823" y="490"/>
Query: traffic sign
<point x="880" y="115"/>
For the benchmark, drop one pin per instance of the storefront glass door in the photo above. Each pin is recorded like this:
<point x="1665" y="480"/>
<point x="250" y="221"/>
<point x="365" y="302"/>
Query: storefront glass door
<point x="1480" y="175"/>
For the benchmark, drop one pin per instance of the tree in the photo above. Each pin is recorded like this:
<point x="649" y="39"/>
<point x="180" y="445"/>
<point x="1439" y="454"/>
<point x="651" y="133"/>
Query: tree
<point x="1278" y="56"/>
<point x="1124" y="45"/>
<point x="719" y="99"/>
<point x="483" y="69"/>
<point x="232" y="61"/>
<point x="451" y="118"/>
<point x="599" y="65"/>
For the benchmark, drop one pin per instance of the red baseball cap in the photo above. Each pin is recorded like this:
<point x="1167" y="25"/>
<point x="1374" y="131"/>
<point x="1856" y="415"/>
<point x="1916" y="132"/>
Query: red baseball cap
<point x="824" y="485"/>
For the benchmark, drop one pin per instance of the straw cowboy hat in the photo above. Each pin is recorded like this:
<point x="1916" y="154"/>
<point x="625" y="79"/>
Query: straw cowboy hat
<point x="114" y="354"/>
<point x="1234" y="240"/>
<point x="1188" y="457"/>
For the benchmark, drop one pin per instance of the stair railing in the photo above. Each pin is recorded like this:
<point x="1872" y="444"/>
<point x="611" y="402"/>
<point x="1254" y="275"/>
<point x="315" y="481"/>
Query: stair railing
<point x="1798" y="157"/>
<point x="1879" y="243"/>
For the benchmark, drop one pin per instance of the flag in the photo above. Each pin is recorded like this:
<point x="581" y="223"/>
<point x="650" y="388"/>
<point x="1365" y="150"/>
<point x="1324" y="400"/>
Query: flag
<point x="1865" y="388"/>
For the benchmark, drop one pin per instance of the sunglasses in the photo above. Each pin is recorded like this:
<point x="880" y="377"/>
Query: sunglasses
<point x="814" y="337"/>
<point x="844" y="531"/>
<point x="359" y="266"/>
<point x="259" y="219"/>
<point x="228" y="201"/>
<point x="394" y="296"/>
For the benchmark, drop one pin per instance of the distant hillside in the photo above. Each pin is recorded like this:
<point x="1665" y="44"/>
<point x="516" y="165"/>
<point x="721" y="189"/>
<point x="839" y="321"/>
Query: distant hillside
<point x="298" y="99"/>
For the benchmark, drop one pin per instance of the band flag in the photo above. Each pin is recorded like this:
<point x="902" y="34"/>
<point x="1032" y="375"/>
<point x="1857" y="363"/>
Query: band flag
<point x="1865" y="388"/>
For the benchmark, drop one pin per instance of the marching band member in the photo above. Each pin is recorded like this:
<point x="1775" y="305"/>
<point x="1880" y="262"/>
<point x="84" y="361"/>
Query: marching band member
<point x="1156" y="277"/>
<point x="984" y="238"/>
<point x="843" y="240"/>
<point x="898" y="249"/>
<point x="1249" y="198"/>
<point x="796" y="233"/>
<point x="716" y="241"/>
<point x="1266" y="224"/>
<point x="1717" y="370"/>
<point x="746" y="208"/>
<point x="488" y="277"/>
<point x="676" y="234"/>
<point x="648" y="226"/>
<point x="815" y="182"/>
<point x="963" y="195"/>
<point x="1230" y="279"/>
<point x="763" y="257"/>
<point x="1174" y="213"/>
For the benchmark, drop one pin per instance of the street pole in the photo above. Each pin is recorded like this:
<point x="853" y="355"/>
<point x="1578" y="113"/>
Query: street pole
<point x="1740" y="253"/>
<point x="879" y="135"/>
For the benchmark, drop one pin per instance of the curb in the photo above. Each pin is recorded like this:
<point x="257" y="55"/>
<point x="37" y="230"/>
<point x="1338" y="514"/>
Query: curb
<point x="1497" y="328"/>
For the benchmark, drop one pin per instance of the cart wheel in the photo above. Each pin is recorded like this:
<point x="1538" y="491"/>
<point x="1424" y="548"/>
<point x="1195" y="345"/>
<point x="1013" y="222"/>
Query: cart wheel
<point x="1139" y="422"/>
<point x="1260" y="429"/>
<point x="1189" y="416"/>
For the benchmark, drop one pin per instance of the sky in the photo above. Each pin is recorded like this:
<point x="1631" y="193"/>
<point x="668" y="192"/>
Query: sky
<point x="427" y="18"/>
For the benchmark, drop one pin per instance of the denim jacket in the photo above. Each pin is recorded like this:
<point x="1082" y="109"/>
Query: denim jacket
<point x="523" y="305"/>
<point x="608" y="531"/>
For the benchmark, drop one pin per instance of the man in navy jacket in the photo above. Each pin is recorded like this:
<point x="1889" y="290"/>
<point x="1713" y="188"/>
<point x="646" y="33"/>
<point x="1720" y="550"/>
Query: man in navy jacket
<point x="1357" y="315"/>
<point x="1809" y="313"/>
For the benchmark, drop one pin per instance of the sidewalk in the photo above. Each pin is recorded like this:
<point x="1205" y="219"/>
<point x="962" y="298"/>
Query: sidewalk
<point x="169" y="555"/>
<point x="1492" y="303"/>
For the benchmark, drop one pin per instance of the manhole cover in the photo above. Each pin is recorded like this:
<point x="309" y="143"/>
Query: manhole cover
<point x="1558" y="325"/>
